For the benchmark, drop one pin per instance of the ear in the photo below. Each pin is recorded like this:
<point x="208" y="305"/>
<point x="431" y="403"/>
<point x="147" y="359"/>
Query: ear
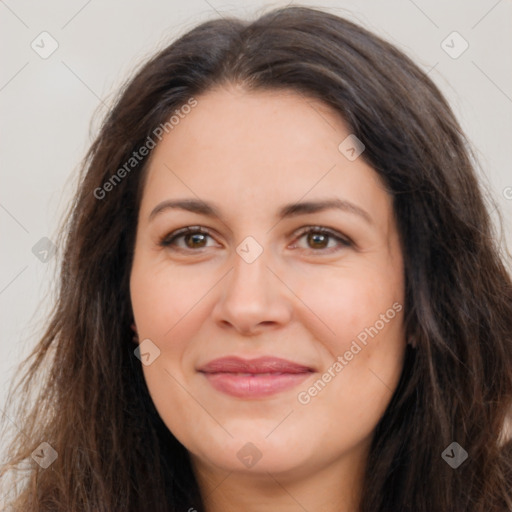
<point x="136" y="334"/>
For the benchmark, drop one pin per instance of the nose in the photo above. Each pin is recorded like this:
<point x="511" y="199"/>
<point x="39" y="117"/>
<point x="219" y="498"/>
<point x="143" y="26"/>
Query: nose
<point x="252" y="298"/>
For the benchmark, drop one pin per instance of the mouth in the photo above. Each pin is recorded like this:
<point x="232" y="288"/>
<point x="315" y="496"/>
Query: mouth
<point x="254" y="378"/>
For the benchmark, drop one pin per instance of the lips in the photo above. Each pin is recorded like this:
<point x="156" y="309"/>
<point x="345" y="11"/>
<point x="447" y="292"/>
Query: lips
<point x="253" y="366"/>
<point x="254" y="378"/>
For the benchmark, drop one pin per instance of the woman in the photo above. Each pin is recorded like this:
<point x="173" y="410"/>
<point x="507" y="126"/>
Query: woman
<point x="280" y="291"/>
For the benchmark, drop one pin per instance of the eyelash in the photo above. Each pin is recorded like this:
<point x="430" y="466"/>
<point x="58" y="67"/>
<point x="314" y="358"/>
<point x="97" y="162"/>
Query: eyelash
<point x="168" y="240"/>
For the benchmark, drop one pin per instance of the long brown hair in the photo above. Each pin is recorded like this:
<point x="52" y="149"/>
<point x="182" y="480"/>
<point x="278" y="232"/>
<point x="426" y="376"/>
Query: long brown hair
<point x="93" y="406"/>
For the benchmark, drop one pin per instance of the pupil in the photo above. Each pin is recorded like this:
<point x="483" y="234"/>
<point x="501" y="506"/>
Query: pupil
<point x="194" y="238"/>
<point x="316" y="238"/>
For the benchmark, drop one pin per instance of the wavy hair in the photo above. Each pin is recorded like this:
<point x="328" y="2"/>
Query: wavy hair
<point x="92" y="404"/>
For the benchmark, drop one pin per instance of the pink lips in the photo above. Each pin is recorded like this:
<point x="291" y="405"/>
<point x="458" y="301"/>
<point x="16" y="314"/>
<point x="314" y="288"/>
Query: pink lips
<point x="254" y="378"/>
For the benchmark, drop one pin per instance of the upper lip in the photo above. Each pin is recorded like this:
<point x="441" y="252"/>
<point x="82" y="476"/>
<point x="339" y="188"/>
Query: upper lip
<point x="233" y="364"/>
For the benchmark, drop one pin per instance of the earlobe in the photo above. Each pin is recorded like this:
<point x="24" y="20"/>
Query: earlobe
<point x="136" y="334"/>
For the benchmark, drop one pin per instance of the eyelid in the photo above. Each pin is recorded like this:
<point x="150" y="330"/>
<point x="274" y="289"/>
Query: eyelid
<point x="170" y="237"/>
<point x="342" y="239"/>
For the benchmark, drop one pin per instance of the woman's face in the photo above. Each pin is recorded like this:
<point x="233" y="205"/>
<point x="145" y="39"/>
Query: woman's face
<point x="273" y="274"/>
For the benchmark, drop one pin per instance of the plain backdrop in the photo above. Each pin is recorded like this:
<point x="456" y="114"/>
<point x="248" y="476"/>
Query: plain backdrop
<point x="51" y="108"/>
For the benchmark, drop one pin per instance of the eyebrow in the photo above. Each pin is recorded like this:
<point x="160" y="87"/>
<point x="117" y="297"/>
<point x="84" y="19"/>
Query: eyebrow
<point x="286" y="211"/>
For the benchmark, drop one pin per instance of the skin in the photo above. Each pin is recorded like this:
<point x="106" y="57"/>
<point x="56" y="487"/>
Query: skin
<point x="304" y="299"/>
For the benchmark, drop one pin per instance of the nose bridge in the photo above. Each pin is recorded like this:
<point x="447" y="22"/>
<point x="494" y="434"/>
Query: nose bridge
<point x="249" y="276"/>
<point x="251" y="294"/>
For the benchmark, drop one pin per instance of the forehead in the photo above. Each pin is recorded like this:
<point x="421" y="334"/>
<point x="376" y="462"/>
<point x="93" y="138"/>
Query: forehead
<point x="260" y="148"/>
<point x="234" y="124"/>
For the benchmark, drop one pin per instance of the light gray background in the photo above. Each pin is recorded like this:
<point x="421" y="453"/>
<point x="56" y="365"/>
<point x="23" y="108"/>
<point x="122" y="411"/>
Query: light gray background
<point x="48" y="105"/>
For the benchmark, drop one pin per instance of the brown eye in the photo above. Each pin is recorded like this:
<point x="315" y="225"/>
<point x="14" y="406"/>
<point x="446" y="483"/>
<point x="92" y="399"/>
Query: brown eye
<point x="193" y="238"/>
<point x="323" y="240"/>
<point x="317" y="240"/>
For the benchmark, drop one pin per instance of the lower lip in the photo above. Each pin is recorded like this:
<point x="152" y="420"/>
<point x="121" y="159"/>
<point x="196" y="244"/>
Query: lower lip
<point x="254" y="386"/>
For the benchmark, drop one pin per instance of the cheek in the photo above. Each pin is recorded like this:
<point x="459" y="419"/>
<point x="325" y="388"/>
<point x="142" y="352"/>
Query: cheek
<point x="362" y="315"/>
<point x="163" y="297"/>
<point x="348" y="304"/>
<point x="164" y="303"/>
<point x="365" y="312"/>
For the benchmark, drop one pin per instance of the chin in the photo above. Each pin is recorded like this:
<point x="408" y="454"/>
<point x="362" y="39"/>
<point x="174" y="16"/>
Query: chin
<point x="257" y="455"/>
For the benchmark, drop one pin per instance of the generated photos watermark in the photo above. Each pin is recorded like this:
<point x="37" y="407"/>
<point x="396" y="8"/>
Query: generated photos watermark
<point x="144" y="150"/>
<point x="305" y="397"/>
